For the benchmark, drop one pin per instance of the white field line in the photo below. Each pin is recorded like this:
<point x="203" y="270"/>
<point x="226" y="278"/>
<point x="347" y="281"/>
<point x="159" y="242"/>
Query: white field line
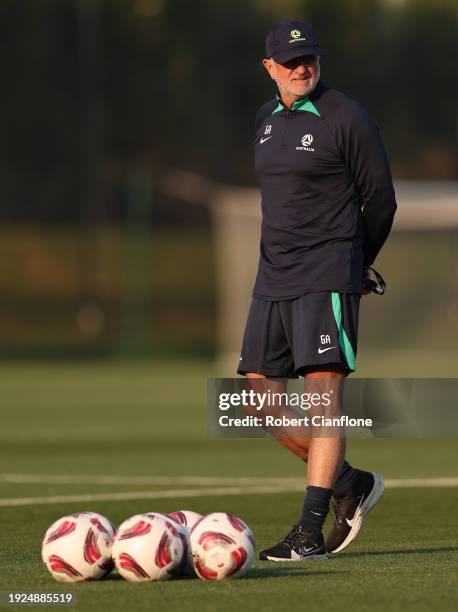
<point x="291" y="486"/>
<point x="90" y="479"/>
<point x="405" y="483"/>
<point x="128" y="495"/>
<point x="137" y="480"/>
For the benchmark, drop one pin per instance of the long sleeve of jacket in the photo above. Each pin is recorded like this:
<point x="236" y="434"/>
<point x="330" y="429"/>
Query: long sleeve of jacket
<point x="368" y="164"/>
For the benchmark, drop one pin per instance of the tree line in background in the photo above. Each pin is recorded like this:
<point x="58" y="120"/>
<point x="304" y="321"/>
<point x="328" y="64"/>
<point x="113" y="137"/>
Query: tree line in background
<point x="92" y="89"/>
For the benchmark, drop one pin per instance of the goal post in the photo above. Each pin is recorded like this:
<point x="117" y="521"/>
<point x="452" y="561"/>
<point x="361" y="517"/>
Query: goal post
<point x="236" y="234"/>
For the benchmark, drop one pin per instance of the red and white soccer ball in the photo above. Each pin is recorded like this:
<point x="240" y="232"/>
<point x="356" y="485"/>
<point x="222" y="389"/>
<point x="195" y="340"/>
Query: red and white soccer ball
<point x="222" y="546"/>
<point x="186" y="518"/>
<point x="149" y="547"/>
<point x="78" y="547"/>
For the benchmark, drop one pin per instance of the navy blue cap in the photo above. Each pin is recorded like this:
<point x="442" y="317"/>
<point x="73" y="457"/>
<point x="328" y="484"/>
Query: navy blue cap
<point x="290" y="39"/>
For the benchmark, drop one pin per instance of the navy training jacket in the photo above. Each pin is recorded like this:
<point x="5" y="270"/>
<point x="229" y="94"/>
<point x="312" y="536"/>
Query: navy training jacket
<point x="327" y="195"/>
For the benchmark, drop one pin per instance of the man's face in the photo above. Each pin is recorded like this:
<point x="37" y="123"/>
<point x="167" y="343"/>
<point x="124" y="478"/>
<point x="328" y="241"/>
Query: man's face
<point x="295" y="78"/>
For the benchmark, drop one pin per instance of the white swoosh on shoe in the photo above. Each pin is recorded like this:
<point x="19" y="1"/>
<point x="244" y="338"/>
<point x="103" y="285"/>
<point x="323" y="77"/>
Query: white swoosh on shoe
<point x="351" y="522"/>
<point x="363" y="508"/>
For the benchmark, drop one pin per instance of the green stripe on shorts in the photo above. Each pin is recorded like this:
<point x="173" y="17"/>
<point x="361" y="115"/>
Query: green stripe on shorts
<point x="344" y="342"/>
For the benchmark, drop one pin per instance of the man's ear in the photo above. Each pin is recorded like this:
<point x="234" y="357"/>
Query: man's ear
<point x="268" y="65"/>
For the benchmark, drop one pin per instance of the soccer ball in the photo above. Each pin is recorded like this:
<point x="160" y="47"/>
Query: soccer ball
<point x="149" y="547"/>
<point x="78" y="547"/>
<point x="222" y="546"/>
<point x="186" y="518"/>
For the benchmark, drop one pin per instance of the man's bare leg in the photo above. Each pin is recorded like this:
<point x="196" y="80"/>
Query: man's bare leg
<point x="325" y="455"/>
<point x="299" y="447"/>
<point x="328" y="453"/>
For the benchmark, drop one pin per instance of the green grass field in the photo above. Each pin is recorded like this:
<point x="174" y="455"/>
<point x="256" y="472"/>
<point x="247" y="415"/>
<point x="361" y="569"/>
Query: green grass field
<point x="66" y="429"/>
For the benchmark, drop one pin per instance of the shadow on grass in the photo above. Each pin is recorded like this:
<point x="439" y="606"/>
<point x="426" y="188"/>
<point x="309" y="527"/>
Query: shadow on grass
<point x="271" y="571"/>
<point x="405" y="551"/>
<point x="305" y="568"/>
<point x="112" y="577"/>
<point x="299" y="569"/>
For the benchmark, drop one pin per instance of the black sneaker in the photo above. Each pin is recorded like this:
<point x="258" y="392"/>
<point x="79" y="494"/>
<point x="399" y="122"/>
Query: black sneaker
<point x="350" y="510"/>
<point x="300" y="543"/>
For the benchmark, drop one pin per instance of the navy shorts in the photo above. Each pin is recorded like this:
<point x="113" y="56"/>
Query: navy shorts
<point x="287" y="338"/>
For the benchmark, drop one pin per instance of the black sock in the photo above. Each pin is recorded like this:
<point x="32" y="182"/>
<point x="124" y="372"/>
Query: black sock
<point x="316" y="507"/>
<point x="345" y="479"/>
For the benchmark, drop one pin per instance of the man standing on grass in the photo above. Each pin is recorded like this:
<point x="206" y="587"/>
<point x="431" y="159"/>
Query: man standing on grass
<point x="328" y="204"/>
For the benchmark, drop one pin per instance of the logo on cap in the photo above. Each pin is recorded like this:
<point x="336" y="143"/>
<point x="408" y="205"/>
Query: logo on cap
<point x="296" y="36"/>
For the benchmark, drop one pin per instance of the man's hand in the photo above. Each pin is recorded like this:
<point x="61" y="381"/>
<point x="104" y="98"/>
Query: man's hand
<point x="372" y="282"/>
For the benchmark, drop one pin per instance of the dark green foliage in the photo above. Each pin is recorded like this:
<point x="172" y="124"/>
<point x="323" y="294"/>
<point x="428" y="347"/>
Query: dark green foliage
<point x="179" y="82"/>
